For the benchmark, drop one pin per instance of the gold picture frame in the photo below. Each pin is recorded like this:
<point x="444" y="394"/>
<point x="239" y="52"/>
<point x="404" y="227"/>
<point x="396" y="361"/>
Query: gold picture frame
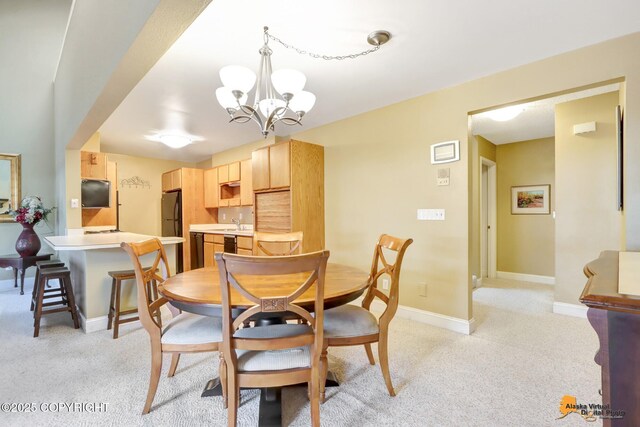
<point x="10" y="185"/>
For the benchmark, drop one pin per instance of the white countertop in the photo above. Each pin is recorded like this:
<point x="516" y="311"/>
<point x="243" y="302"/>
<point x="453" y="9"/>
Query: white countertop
<point x="247" y="229"/>
<point x="102" y="241"/>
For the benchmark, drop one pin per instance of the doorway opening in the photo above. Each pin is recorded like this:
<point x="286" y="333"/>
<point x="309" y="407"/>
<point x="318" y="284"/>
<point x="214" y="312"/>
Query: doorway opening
<point x="488" y="223"/>
<point x="537" y="219"/>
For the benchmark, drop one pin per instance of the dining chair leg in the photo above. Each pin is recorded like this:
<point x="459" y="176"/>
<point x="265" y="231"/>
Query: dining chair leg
<point x="156" y="370"/>
<point x="315" y="397"/>
<point x="233" y="396"/>
<point x="324" y="369"/>
<point x="367" y="348"/>
<point x="175" y="358"/>
<point x="222" y="374"/>
<point x="384" y="363"/>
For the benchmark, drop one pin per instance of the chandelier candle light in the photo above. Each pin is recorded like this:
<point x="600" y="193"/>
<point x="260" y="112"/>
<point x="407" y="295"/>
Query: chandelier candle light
<point x="268" y="108"/>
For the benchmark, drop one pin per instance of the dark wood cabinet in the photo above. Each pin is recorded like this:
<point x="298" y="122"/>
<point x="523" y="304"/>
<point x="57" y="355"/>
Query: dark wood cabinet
<point x="616" y="319"/>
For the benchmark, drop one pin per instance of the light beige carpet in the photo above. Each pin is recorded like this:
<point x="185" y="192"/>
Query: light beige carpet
<point x="512" y="371"/>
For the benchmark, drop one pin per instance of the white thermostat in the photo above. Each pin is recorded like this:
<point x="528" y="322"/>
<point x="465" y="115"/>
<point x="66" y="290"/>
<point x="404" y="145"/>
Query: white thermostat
<point x="445" y="152"/>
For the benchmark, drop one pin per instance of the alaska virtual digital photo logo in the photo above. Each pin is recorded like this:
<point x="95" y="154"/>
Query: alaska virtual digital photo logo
<point x="590" y="411"/>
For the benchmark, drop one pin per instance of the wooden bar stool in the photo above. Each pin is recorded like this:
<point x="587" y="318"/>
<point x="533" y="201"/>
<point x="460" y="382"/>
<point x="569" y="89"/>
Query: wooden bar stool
<point x="114" y="305"/>
<point x="65" y="296"/>
<point x="53" y="263"/>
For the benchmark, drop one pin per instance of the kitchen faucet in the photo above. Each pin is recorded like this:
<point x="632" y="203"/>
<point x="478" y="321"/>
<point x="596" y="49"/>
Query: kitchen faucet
<point x="236" y="222"/>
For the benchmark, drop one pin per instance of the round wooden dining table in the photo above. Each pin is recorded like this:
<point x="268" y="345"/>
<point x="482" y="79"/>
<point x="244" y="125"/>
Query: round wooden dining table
<point x="198" y="291"/>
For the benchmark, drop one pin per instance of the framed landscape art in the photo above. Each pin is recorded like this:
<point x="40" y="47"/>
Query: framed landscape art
<point x="530" y="200"/>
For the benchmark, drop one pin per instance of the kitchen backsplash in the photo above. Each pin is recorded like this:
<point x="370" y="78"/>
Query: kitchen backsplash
<point x="225" y="215"/>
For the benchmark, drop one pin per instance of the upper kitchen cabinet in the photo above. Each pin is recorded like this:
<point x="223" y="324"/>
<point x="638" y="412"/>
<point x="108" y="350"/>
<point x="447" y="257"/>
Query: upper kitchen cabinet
<point x="260" y="169"/>
<point x="211" y="188"/>
<point x="172" y="180"/>
<point x="229" y="173"/>
<point x="93" y="165"/>
<point x="288" y="181"/>
<point x="271" y="167"/>
<point x="246" y="187"/>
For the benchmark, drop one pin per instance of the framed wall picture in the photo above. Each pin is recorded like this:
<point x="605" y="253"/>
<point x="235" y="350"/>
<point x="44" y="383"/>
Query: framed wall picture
<point x="445" y="152"/>
<point x="531" y="200"/>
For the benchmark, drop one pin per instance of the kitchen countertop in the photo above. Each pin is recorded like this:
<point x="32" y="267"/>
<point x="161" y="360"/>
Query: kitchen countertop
<point x="101" y="241"/>
<point x="222" y="229"/>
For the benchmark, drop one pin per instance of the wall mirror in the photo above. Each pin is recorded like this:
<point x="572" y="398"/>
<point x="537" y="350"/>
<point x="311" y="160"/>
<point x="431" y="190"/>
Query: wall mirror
<point x="9" y="184"/>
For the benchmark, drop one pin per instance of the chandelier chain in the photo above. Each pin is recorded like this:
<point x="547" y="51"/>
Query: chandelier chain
<point x="321" y="56"/>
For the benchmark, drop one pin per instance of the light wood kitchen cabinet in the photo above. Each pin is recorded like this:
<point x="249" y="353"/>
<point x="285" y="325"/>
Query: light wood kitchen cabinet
<point x="260" y="169"/>
<point x="293" y="197"/>
<point x="172" y="180"/>
<point x="93" y="165"/>
<point x="209" y="260"/>
<point x="234" y="171"/>
<point x="211" y="188"/>
<point x="279" y="171"/>
<point x="246" y="185"/>
<point x="223" y="174"/>
<point x="271" y="167"/>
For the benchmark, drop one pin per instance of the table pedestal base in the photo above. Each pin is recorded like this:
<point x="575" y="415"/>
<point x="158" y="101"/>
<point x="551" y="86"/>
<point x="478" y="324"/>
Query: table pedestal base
<point x="270" y="413"/>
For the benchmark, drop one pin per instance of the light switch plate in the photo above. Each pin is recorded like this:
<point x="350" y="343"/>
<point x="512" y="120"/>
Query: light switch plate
<point x="431" y="214"/>
<point x="75" y="203"/>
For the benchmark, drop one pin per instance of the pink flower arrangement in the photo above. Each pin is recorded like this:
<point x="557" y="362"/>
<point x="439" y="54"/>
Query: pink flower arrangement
<point x="31" y="211"/>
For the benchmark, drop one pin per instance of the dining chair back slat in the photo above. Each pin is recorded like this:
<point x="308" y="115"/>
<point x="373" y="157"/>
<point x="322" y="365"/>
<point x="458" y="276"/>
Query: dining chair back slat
<point x="277" y="244"/>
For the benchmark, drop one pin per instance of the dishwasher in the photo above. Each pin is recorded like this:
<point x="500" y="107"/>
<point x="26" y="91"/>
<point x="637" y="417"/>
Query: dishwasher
<point x="230" y="243"/>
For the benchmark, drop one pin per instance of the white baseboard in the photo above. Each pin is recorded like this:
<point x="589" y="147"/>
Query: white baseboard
<point x="428" y="317"/>
<point x="546" y="280"/>
<point x="574" y="310"/>
<point x="94" y="324"/>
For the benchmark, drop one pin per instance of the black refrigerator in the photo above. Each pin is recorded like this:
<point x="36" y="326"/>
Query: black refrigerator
<point x="172" y="222"/>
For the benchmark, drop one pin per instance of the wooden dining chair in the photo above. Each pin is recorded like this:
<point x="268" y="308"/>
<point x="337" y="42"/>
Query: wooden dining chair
<point x="277" y="244"/>
<point x="349" y="325"/>
<point x="185" y="333"/>
<point x="277" y="354"/>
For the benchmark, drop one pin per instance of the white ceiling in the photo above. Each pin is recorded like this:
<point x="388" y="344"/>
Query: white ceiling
<point x="435" y="44"/>
<point x="537" y="120"/>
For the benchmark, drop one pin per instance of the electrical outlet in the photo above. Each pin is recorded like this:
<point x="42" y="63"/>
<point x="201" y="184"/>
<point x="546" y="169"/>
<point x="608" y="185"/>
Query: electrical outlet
<point x="75" y="203"/>
<point x="385" y="284"/>
<point x="240" y="216"/>
<point x="224" y="216"/>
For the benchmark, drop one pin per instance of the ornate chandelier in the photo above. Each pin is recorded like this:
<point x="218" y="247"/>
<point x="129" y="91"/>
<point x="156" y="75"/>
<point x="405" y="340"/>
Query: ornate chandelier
<point x="279" y="96"/>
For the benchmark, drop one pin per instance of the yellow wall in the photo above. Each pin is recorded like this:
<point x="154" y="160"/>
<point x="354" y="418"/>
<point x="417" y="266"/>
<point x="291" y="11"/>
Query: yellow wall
<point x="140" y="210"/>
<point x="377" y="169"/>
<point x="526" y="243"/>
<point x="486" y="148"/>
<point x="587" y="220"/>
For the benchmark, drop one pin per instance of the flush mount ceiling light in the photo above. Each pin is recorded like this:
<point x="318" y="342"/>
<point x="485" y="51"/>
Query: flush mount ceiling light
<point x="279" y="96"/>
<point x="505" y="114"/>
<point x="172" y="140"/>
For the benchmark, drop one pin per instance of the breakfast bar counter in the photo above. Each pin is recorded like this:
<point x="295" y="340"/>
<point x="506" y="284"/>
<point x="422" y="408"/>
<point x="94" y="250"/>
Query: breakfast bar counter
<point x="90" y="257"/>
